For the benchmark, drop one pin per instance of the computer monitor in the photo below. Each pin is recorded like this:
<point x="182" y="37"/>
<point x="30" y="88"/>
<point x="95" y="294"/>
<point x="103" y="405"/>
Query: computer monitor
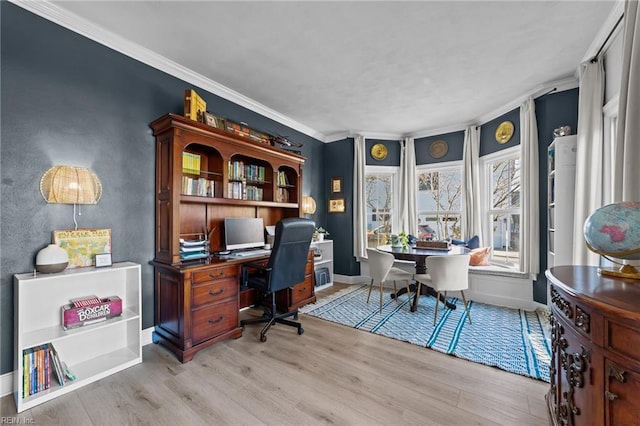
<point x="243" y="233"/>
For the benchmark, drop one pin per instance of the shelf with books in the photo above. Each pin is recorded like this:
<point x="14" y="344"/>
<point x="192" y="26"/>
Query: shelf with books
<point x="91" y="351"/>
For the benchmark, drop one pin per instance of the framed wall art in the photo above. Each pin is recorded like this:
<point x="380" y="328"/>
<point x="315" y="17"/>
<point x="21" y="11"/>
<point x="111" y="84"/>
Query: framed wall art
<point x="337" y="205"/>
<point x="83" y="245"/>
<point x="336" y="185"/>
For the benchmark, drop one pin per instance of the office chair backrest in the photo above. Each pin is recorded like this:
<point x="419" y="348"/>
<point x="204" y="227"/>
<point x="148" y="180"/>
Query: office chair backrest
<point x="290" y="251"/>
<point x="449" y="272"/>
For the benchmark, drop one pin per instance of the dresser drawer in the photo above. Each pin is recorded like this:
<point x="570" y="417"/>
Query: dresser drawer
<point x="214" y="291"/>
<point x="623" y="339"/>
<point x="215" y="274"/>
<point x="213" y="320"/>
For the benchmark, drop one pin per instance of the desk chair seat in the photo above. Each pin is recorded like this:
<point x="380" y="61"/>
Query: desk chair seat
<point x="286" y="268"/>
<point x="446" y="273"/>
<point x="381" y="269"/>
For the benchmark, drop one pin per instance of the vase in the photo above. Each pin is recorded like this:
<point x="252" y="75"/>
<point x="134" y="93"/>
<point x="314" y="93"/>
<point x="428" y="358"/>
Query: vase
<point x="320" y="237"/>
<point x="52" y="259"/>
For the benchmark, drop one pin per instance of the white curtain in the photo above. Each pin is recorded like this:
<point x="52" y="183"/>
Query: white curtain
<point x="529" y="190"/>
<point x="359" y="204"/>
<point x="588" y="188"/>
<point x="471" y="214"/>
<point x="408" y="189"/>
<point x="626" y="183"/>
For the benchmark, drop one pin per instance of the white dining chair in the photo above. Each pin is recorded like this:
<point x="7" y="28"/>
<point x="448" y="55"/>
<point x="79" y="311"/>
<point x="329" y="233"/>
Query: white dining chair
<point x="381" y="269"/>
<point x="446" y="273"/>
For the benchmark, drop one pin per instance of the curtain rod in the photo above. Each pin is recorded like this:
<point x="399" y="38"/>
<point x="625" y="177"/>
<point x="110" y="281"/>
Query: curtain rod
<point x="606" y="40"/>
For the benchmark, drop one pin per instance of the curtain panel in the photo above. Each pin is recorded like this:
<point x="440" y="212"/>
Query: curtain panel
<point x="359" y="202"/>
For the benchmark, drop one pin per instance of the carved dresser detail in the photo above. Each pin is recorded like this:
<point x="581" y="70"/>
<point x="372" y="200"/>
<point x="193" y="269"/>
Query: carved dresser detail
<point x="595" y="332"/>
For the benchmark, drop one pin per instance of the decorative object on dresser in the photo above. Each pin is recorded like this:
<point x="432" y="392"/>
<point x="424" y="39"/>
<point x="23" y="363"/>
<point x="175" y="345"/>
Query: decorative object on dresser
<point x="595" y="327"/>
<point x="197" y="300"/>
<point x="52" y="259"/>
<point x="613" y="231"/>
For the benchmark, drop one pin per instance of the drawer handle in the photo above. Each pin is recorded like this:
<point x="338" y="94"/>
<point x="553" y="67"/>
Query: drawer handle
<point x="617" y="374"/>
<point x="217" y="293"/>
<point x="218" y="275"/>
<point x="610" y="396"/>
<point x="212" y="321"/>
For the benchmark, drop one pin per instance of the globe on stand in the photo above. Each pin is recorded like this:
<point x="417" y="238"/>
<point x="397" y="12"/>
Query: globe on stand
<point x="613" y="231"/>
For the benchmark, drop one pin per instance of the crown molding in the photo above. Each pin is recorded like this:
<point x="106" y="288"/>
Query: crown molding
<point x="73" y="22"/>
<point x="609" y="25"/>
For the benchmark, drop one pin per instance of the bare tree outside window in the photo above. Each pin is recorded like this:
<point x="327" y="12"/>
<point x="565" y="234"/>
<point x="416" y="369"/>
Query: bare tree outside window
<point x="379" y="204"/>
<point x="505" y="210"/>
<point x="439" y="201"/>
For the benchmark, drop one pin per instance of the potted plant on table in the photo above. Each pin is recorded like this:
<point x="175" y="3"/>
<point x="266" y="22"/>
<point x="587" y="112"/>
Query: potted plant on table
<point x="320" y="233"/>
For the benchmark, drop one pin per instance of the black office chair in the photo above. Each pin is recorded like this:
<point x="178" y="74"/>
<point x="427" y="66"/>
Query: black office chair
<point x="286" y="268"/>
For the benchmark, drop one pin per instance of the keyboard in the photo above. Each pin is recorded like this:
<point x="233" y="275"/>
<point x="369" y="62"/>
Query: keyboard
<point x="250" y="253"/>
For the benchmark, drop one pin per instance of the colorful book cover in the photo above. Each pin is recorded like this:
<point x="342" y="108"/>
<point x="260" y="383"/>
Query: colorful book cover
<point x="82" y="245"/>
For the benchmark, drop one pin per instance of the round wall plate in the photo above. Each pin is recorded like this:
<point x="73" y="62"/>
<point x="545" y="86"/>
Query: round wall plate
<point x="379" y="151"/>
<point x="438" y="149"/>
<point x="504" y="132"/>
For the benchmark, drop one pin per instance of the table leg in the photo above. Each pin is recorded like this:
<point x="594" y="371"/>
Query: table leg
<point x="425" y="290"/>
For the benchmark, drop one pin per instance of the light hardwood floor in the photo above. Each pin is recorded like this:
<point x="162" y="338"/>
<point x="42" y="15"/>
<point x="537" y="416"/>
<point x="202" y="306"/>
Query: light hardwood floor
<point x="331" y="374"/>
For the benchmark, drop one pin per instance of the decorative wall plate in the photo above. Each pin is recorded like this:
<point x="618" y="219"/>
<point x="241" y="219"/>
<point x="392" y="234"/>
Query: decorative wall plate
<point x="438" y="149"/>
<point x="379" y="151"/>
<point x="504" y="132"/>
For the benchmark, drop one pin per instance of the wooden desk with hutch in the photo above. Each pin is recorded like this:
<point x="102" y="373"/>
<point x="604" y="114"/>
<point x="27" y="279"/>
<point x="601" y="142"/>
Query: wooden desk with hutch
<point x="595" y="368"/>
<point x="196" y="305"/>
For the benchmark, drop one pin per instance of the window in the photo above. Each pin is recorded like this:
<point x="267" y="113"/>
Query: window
<point x="439" y="200"/>
<point x="503" y="213"/>
<point x="381" y="202"/>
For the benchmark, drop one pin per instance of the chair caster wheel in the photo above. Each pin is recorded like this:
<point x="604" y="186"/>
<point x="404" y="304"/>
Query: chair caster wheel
<point x="263" y="338"/>
<point x="300" y="331"/>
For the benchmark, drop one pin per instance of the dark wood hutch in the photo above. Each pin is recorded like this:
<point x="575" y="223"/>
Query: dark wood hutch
<point x="197" y="302"/>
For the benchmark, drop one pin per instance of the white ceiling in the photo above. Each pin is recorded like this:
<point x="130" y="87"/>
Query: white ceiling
<point x="384" y="68"/>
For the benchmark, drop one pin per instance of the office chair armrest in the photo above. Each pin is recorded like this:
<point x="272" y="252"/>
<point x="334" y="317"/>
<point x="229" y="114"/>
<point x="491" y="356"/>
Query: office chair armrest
<point x="245" y="271"/>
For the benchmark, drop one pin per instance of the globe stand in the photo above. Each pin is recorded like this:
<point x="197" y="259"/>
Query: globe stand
<point x="625" y="271"/>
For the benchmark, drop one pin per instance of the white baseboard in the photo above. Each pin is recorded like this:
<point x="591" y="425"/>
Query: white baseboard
<point x="6" y="380"/>
<point x="348" y="279"/>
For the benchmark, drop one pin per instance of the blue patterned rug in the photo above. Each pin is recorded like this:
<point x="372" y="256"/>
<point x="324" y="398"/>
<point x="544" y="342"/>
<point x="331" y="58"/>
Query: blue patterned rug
<point x="513" y="340"/>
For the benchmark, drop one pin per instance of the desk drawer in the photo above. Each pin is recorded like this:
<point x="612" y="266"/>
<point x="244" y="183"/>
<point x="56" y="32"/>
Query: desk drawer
<point x="215" y="274"/>
<point x="213" y="320"/>
<point x="301" y="291"/>
<point x="214" y="291"/>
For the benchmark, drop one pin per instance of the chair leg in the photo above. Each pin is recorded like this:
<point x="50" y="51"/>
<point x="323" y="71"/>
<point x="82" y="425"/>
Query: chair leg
<point x="435" y="316"/>
<point x="408" y="292"/>
<point x="417" y="295"/>
<point x="395" y="291"/>
<point x="370" y="287"/>
<point x="464" y="299"/>
<point x="381" y="296"/>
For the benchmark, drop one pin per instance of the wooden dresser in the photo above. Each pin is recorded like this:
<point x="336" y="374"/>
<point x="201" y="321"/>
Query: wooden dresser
<point x="595" y="369"/>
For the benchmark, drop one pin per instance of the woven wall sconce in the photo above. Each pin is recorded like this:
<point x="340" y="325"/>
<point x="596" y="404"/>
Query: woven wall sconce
<point x="308" y="205"/>
<point x="70" y="185"/>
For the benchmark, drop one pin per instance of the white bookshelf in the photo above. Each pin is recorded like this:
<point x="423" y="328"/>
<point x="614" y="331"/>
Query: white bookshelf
<point x="326" y="261"/>
<point x="561" y="185"/>
<point x="93" y="351"/>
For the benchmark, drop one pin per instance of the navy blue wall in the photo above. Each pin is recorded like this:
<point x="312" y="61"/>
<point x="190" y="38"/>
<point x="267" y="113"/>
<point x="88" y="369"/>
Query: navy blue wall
<point x="68" y="100"/>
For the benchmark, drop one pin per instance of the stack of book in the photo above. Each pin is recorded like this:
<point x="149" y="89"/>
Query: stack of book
<point x="38" y="365"/>
<point x="198" y="186"/>
<point x="192" y="250"/>
<point x="190" y="163"/>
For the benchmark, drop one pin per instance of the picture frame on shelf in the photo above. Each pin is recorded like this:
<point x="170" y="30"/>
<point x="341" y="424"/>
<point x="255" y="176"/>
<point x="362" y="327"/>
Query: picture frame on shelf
<point x="336" y="185"/>
<point x="103" y="260"/>
<point x="337" y="205"/>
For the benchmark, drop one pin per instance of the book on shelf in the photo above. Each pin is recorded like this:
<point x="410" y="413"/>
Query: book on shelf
<point x="191" y="163"/>
<point x="283" y="180"/>
<point x="36" y="370"/>
<point x="194" y="106"/>
<point x="57" y="365"/>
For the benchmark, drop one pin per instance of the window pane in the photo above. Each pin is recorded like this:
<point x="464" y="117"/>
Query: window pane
<point x="506" y="238"/>
<point x="505" y="184"/>
<point x="440" y="202"/>
<point x="379" y="201"/>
